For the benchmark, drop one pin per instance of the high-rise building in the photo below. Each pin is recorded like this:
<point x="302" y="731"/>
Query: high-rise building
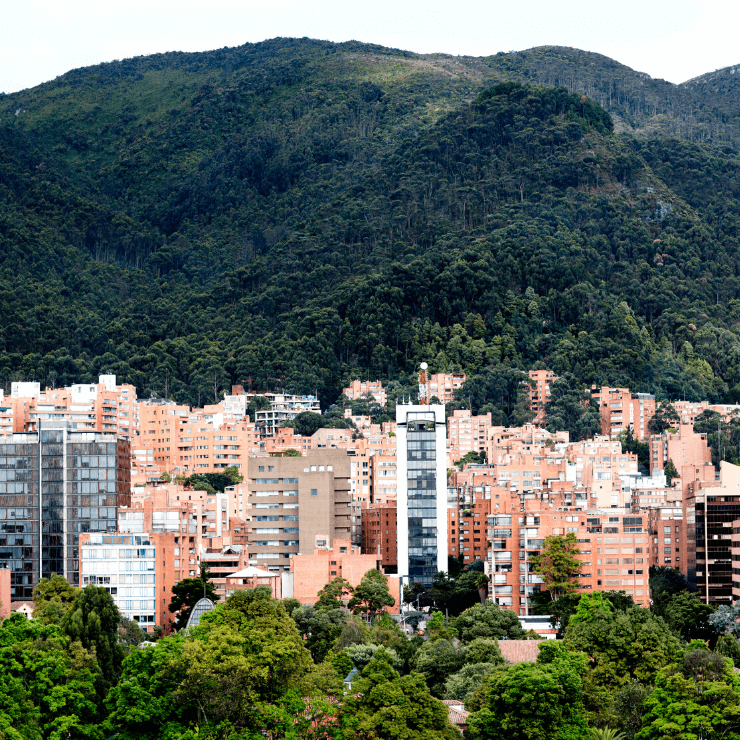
<point x="422" y="491"/>
<point x="54" y="485"/>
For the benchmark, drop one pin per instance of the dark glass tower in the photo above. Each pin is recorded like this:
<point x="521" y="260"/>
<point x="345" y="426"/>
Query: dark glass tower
<point x="53" y="485"/>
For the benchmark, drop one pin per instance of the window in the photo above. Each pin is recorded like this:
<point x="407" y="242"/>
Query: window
<point x="314" y="492"/>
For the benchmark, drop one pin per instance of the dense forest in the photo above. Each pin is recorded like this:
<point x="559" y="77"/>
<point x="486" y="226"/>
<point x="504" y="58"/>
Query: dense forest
<point x="292" y="214"/>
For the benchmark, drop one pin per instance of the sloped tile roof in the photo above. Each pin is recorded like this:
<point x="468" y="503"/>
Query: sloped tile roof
<point x="520" y="651"/>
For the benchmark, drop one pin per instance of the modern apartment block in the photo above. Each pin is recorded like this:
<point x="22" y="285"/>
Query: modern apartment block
<point x="361" y="389"/>
<point x="294" y="499"/>
<point x="620" y="409"/>
<point x="422" y="491"/>
<point x="284" y="407"/>
<point x="55" y="485"/>
<point x="467" y="433"/>
<point x="444" y="385"/>
<point x="684" y="447"/>
<point x="125" y="566"/>
<point x="539" y="393"/>
<point x="103" y="406"/>
<point x="711" y="509"/>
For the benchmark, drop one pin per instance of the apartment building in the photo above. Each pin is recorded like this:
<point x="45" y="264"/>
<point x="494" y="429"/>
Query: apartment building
<point x="710" y="510"/>
<point x="539" y="393"/>
<point x="294" y="499"/>
<point x="422" y="491"/>
<point x="362" y="389"/>
<point x="683" y="447"/>
<point x="102" y="406"/>
<point x="54" y="485"/>
<point x="470" y="497"/>
<point x="379" y="535"/>
<point x="613" y="549"/>
<point x="689" y="410"/>
<point x="620" y="410"/>
<point x="138" y="570"/>
<point x="444" y="385"/>
<point x="283" y="407"/>
<point x="467" y="433"/>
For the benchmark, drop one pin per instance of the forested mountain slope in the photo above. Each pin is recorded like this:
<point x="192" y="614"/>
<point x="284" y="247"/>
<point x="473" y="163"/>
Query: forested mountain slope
<point x="289" y="213"/>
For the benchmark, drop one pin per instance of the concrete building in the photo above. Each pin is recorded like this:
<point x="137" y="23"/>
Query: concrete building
<point x="684" y="447"/>
<point x="55" y="485"/>
<point x="283" y="407"/>
<point x="620" y="409"/>
<point x="362" y="389"/>
<point x="294" y="499"/>
<point x="444" y="385"/>
<point x="422" y="491"/>
<point x="380" y="534"/>
<point x="5" y="596"/>
<point x="103" y="406"/>
<point x="467" y="433"/>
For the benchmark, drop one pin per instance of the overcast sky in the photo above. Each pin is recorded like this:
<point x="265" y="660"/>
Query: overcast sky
<point x="672" y="39"/>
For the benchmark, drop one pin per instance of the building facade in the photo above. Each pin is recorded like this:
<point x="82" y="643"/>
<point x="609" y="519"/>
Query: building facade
<point x="55" y="485"/>
<point x="422" y="491"/>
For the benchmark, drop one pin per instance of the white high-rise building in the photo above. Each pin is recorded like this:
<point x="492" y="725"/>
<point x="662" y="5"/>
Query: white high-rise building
<point x="422" y="491"/>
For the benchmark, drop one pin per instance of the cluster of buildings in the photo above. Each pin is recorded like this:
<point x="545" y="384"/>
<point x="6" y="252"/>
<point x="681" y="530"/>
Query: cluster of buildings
<point x="92" y="486"/>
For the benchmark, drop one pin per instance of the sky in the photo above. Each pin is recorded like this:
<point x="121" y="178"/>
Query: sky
<point x="670" y="39"/>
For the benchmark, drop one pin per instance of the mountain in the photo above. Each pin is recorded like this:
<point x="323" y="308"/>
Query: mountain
<point x="292" y="213"/>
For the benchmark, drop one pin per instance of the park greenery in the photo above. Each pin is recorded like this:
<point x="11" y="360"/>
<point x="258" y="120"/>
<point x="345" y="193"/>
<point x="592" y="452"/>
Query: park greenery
<point x="260" y="667"/>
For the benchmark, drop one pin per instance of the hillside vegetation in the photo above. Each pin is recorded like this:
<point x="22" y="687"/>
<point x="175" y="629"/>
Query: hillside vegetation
<point x="292" y="213"/>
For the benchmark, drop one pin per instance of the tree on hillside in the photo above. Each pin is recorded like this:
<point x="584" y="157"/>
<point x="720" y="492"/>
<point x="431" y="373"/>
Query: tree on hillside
<point x="52" y="598"/>
<point x="307" y="423"/>
<point x="558" y="565"/>
<point x="572" y="409"/>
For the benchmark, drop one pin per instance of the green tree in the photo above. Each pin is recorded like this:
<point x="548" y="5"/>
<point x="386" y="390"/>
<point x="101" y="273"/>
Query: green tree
<point x="729" y="647"/>
<point x="670" y="471"/>
<point x="463" y="684"/>
<point x="47" y="683"/>
<point x="52" y="598"/>
<point x="558" y="564"/>
<point x="665" y="417"/>
<point x="362" y="654"/>
<point x="371" y="595"/>
<point x="630" y="443"/>
<point x="93" y="620"/>
<point x="233" y="473"/>
<point x="589" y="605"/>
<point x="628" y="707"/>
<point x="688" y="616"/>
<point x="696" y="698"/>
<point x="488" y="620"/>
<point x="390" y="707"/>
<point x="320" y="628"/>
<point x="332" y="594"/>
<point x="257" y="403"/>
<point x="572" y="409"/>
<point x="437" y="661"/>
<point x="483" y="650"/>
<point x="622" y="646"/>
<point x="533" y="702"/>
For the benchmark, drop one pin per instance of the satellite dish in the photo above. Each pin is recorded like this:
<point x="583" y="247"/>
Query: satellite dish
<point x="424" y="366"/>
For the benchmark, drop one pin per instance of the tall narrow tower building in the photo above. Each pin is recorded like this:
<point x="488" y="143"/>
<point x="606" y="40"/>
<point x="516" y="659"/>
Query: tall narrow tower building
<point x="422" y="491"/>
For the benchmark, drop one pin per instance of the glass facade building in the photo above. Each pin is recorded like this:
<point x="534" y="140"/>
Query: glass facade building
<point x="55" y="484"/>
<point x="422" y="492"/>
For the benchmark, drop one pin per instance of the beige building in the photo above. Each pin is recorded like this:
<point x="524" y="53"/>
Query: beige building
<point x="294" y="499"/>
